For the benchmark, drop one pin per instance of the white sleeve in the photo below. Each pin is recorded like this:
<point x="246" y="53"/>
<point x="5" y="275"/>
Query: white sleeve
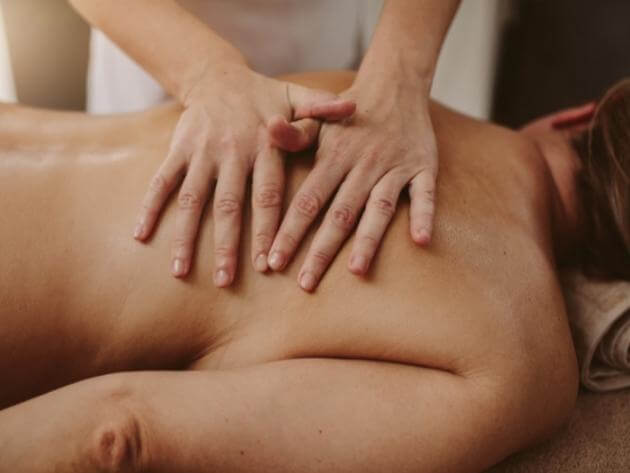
<point x="117" y="84"/>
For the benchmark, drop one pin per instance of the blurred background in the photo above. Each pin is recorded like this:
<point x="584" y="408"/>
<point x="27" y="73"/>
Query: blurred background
<point x="509" y="60"/>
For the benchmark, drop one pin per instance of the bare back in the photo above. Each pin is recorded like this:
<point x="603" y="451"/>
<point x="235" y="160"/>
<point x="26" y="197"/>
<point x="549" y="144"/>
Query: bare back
<point x="483" y="294"/>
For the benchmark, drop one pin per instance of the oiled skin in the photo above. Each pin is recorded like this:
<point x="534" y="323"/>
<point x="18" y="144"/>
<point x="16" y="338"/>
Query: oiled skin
<point x="79" y="297"/>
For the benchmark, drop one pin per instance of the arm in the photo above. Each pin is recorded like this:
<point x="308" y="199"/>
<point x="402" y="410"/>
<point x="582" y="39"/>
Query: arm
<point x="387" y="145"/>
<point x="170" y="43"/>
<point x="221" y="133"/>
<point x="407" y="42"/>
<point x="305" y="415"/>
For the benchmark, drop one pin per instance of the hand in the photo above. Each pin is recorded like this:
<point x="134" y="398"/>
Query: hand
<point x="222" y="134"/>
<point x="371" y="157"/>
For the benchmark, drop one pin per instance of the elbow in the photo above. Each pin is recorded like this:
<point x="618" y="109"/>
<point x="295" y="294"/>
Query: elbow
<point x="118" y="441"/>
<point x="534" y="391"/>
<point x="556" y="387"/>
<point x="544" y="391"/>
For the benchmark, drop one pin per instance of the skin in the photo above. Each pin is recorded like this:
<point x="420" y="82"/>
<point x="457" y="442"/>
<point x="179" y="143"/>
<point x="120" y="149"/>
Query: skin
<point x="230" y="113"/>
<point x="390" y="144"/>
<point x="553" y="135"/>
<point x="440" y="360"/>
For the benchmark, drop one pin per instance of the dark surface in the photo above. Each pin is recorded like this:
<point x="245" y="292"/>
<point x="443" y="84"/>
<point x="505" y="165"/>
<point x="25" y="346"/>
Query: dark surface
<point x="560" y="53"/>
<point x="596" y="439"/>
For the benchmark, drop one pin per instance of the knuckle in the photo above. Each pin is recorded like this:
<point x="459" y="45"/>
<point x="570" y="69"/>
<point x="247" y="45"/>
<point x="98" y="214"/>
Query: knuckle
<point x="228" y="205"/>
<point x="288" y="240"/>
<point x="369" y="241"/>
<point x="180" y="242"/>
<point x="378" y="156"/>
<point x="373" y="157"/>
<point x="429" y="195"/>
<point x="321" y="258"/>
<point x="149" y="211"/>
<point x="308" y="204"/>
<point x="268" y="196"/>
<point x="159" y="183"/>
<point x="428" y="150"/>
<point x="430" y="170"/>
<point x="426" y="194"/>
<point x="343" y="216"/>
<point x="338" y="159"/>
<point x="189" y="200"/>
<point x="228" y="141"/>
<point x="225" y="252"/>
<point x="332" y="150"/>
<point x="384" y="205"/>
<point x="426" y="215"/>
<point x="263" y="239"/>
<point x="181" y="246"/>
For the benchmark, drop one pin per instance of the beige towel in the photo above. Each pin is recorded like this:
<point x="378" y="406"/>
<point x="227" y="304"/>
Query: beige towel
<point x="599" y="313"/>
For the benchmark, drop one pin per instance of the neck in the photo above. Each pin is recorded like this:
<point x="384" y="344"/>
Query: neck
<point x="564" y="165"/>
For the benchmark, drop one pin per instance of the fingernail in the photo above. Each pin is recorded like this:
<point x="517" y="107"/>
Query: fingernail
<point x="179" y="267"/>
<point x="358" y="264"/>
<point x="276" y="261"/>
<point x="307" y="281"/>
<point x="139" y="230"/>
<point x="260" y="264"/>
<point x="222" y="278"/>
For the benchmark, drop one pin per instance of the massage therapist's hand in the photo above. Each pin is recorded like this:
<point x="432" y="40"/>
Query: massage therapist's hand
<point x="222" y="135"/>
<point x="370" y="158"/>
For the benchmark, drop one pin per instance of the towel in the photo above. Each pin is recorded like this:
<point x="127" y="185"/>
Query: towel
<point x="599" y="314"/>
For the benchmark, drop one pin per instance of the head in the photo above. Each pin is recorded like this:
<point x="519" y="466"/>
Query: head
<point x="597" y="138"/>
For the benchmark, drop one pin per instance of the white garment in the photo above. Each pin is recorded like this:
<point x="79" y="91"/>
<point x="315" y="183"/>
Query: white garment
<point x="7" y="85"/>
<point x="276" y="36"/>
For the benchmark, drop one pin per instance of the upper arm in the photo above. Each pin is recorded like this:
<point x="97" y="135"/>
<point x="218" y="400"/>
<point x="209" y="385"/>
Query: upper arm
<point x="324" y="415"/>
<point x="295" y="415"/>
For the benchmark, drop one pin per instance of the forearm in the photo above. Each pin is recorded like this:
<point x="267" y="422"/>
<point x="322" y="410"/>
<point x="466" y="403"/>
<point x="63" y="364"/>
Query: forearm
<point x="408" y="39"/>
<point x="170" y="43"/>
<point x="55" y="431"/>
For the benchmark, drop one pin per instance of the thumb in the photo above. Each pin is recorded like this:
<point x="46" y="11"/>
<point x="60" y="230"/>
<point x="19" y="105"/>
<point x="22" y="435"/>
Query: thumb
<point x="296" y="136"/>
<point x="313" y="103"/>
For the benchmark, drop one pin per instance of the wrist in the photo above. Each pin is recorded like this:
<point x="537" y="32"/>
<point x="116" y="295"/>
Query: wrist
<point x="394" y="83"/>
<point x="211" y="69"/>
<point x="399" y="70"/>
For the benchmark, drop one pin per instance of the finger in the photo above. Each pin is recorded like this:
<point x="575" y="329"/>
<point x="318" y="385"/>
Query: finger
<point x="267" y="191"/>
<point x="192" y="198"/>
<point x="422" y="209"/>
<point x="304" y="208"/>
<point x="379" y="210"/>
<point x="311" y="103"/>
<point x="340" y="220"/>
<point x="332" y="111"/>
<point x="295" y="136"/>
<point x="228" y="211"/>
<point x="162" y="184"/>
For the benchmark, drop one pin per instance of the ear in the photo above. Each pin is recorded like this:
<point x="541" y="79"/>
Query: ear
<point x="574" y="117"/>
